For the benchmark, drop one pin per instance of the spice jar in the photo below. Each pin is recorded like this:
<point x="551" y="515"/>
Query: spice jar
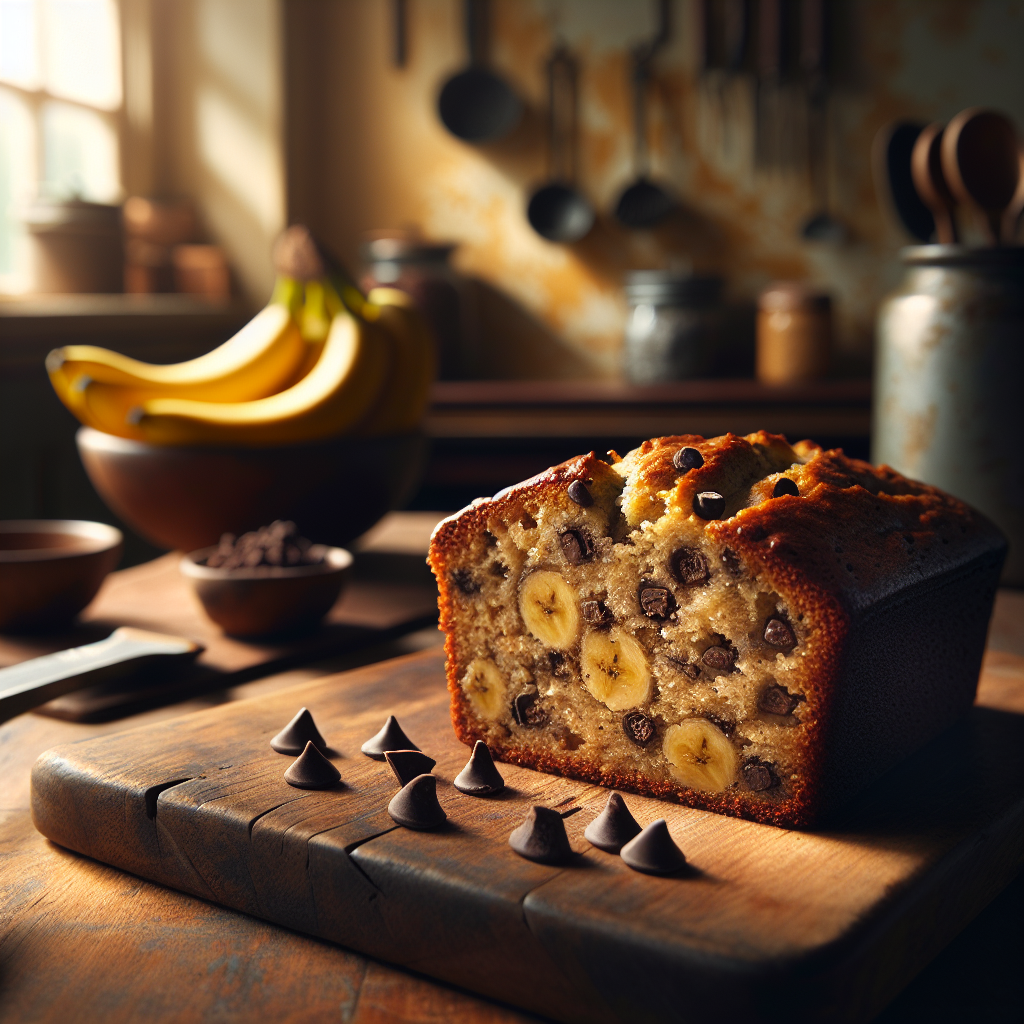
<point x="422" y="269"/>
<point x="948" y="371"/>
<point x="794" y="333"/>
<point x="673" y="326"/>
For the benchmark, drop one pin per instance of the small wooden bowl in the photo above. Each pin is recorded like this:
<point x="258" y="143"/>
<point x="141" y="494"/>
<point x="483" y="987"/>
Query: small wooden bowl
<point x="50" y="569"/>
<point x="268" y="599"/>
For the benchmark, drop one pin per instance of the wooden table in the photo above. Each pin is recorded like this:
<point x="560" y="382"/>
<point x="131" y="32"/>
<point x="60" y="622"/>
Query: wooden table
<point x="81" y="941"/>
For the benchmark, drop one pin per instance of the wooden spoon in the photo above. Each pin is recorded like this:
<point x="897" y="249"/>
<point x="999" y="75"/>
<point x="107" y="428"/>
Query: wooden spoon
<point x="980" y="162"/>
<point x="926" y="170"/>
<point x="1008" y="231"/>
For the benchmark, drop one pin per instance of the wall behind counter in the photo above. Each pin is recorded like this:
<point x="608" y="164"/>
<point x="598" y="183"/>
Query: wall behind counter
<point x="365" y="150"/>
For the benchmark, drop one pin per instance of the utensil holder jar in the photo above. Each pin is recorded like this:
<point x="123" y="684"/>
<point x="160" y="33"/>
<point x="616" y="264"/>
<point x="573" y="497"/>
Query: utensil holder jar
<point x="949" y="370"/>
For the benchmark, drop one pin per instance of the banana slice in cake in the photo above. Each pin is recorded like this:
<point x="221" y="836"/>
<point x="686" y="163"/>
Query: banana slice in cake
<point x="700" y="755"/>
<point x="615" y="670"/>
<point x="548" y="607"/>
<point x="486" y="688"/>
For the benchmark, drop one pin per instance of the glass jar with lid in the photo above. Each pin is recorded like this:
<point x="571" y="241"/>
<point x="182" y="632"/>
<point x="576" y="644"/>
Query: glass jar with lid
<point x="673" y="327"/>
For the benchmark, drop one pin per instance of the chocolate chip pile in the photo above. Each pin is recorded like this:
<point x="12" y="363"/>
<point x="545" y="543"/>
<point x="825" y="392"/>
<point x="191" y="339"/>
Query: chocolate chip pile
<point x="278" y="545"/>
<point x="541" y="836"/>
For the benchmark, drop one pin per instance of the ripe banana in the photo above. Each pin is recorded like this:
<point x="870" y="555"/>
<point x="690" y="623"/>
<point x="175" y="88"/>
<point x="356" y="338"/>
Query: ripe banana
<point x="614" y="669"/>
<point x="700" y="755"/>
<point x="407" y="395"/>
<point x="107" y="406"/>
<point x="331" y="399"/>
<point x="548" y="607"/>
<point x="486" y="688"/>
<point x="261" y="358"/>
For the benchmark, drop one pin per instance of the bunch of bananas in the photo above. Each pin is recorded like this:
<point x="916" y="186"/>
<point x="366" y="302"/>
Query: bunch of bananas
<point x="320" y="360"/>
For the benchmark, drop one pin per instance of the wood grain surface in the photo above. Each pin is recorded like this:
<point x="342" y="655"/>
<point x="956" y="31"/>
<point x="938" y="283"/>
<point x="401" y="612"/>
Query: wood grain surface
<point x="770" y="925"/>
<point x="155" y="596"/>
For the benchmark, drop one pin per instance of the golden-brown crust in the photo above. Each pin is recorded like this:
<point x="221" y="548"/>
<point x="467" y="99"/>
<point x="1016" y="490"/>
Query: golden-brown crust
<point x="856" y="535"/>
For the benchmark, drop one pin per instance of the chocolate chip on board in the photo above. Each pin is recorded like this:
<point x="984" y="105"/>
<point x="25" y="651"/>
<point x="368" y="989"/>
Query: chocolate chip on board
<point x="579" y="493"/>
<point x="777" y="700"/>
<point x="709" y="505"/>
<point x="779" y="634"/>
<point x="613" y="827"/>
<point x="656" y="602"/>
<point x="576" y="546"/>
<point x="653" y="851"/>
<point x="480" y="777"/>
<point x="785" y="486"/>
<point x="718" y="657"/>
<point x="416" y="805"/>
<point x="311" y="770"/>
<point x="541" y="837"/>
<point x="686" y="459"/>
<point x="638" y="727"/>
<point x="689" y="566"/>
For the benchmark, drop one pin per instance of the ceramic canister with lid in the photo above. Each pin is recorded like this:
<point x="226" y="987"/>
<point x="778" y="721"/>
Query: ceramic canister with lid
<point x="673" y="326"/>
<point x="794" y="333"/>
<point x="949" y="371"/>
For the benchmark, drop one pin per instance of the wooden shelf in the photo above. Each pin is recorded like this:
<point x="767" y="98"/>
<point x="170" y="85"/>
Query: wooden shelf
<point x="580" y="409"/>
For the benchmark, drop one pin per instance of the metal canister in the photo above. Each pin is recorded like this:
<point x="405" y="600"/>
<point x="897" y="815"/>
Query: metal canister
<point x="949" y="377"/>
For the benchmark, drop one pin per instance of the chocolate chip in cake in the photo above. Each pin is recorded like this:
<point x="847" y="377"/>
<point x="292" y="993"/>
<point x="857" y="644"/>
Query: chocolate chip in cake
<point x="407" y="764"/>
<point x="653" y="851"/>
<point x="709" y="505"/>
<point x="759" y="776"/>
<point x="390" y="737"/>
<point x="311" y="770"/>
<point x="779" y="634"/>
<point x="559" y="664"/>
<point x="527" y="712"/>
<point x="464" y="582"/>
<point x="579" y="493"/>
<point x="292" y="739"/>
<point x="541" y="837"/>
<point x="613" y="827"/>
<point x="777" y="700"/>
<point x="686" y="459"/>
<point x="785" y="486"/>
<point x="656" y="602"/>
<point x="576" y="546"/>
<point x="416" y="805"/>
<point x="689" y="566"/>
<point x="595" y="612"/>
<point x="719" y="658"/>
<point x="732" y="562"/>
<point x="480" y="777"/>
<point x="638" y="727"/>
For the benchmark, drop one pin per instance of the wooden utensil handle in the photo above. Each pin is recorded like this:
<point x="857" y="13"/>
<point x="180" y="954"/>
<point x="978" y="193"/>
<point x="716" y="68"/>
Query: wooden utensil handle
<point x="31" y="683"/>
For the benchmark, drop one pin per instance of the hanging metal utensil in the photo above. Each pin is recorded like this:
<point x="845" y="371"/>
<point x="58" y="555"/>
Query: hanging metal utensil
<point x="558" y="211"/>
<point x="769" y="60"/>
<point x="643" y="204"/>
<point x="821" y="226"/>
<point x="475" y="104"/>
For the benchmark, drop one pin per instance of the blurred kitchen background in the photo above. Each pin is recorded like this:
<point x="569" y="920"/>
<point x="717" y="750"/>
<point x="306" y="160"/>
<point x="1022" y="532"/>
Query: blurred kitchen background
<point x="157" y="147"/>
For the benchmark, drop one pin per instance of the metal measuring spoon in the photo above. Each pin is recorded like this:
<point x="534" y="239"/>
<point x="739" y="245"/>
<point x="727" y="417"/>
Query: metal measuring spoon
<point x="476" y="105"/>
<point x="557" y="210"/>
<point x="926" y="170"/>
<point x="643" y="204"/>
<point x="981" y="164"/>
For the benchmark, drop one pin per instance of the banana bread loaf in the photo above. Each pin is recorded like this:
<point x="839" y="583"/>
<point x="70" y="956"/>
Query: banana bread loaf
<point x="732" y="622"/>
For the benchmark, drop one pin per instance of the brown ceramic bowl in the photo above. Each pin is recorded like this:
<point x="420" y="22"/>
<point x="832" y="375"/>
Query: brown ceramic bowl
<point x="268" y="599"/>
<point x="185" y="498"/>
<point x="50" y="569"/>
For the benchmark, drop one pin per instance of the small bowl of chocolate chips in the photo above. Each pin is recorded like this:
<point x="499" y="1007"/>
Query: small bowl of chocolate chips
<point x="268" y="581"/>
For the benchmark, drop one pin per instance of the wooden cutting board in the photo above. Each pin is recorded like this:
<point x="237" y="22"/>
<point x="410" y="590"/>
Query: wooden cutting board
<point x="770" y="925"/>
<point x="373" y="608"/>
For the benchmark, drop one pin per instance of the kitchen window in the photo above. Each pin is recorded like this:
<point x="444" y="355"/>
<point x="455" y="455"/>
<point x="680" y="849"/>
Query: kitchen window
<point x="60" y="112"/>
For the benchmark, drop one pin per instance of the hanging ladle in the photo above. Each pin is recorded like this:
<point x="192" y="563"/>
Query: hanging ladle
<point x="981" y="165"/>
<point x="476" y="105"/>
<point x="558" y="211"/>
<point x="644" y="204"/>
